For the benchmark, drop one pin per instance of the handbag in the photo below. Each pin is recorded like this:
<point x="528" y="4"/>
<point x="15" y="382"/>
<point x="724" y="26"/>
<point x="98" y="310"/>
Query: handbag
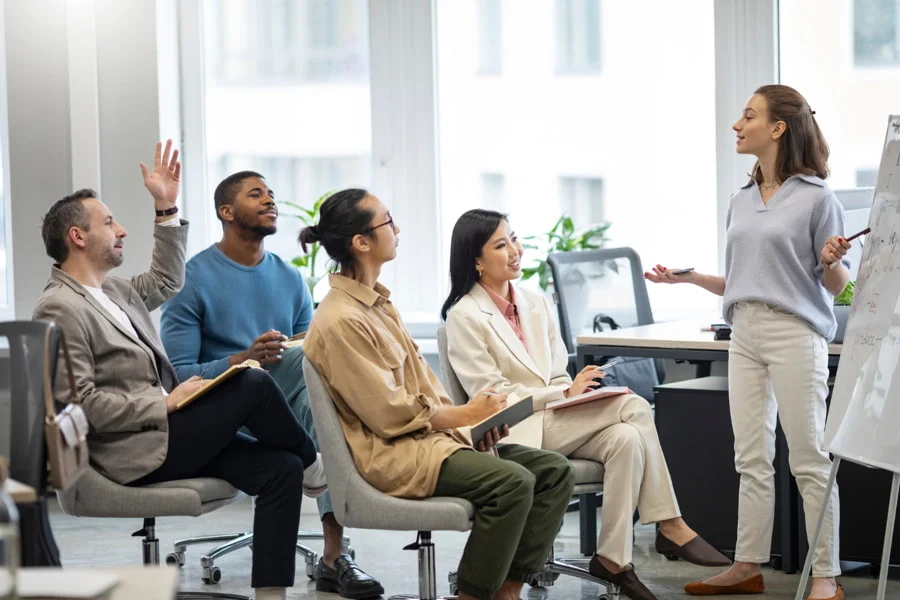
<point x="638" y="374"/>
<point x="66" y="431"/>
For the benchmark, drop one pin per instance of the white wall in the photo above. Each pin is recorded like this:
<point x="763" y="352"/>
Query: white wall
<point x="113" y="112"/>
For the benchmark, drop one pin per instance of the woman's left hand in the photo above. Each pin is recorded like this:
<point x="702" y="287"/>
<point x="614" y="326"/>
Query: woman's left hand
<point x="835" y="249"/>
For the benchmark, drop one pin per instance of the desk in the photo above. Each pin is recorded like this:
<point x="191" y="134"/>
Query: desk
<point x="135" y="583"/>
<point x="679" y="340"/>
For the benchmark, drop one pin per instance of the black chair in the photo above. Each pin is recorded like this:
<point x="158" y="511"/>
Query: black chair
<point x="28" y="453"/>
<point x="602" y="288"/>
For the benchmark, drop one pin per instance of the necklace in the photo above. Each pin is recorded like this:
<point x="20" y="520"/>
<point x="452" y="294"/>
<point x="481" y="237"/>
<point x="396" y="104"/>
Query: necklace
<point x="769" y="186"/>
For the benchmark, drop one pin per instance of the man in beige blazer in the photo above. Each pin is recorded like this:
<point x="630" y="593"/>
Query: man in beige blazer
<point x="505" y="337"/>
<point x="129" y="389"/>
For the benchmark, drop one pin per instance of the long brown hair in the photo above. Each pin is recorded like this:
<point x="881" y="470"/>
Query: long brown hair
<point x="802" y="149"/>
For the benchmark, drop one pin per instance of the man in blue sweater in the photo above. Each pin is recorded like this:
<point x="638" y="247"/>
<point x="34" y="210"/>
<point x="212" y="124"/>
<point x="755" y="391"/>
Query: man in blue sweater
<point x="240" y="302"/>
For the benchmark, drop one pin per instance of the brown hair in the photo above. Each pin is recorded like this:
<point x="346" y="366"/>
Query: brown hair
<point x="802" y="149"/>
<point x="65" y="214"/>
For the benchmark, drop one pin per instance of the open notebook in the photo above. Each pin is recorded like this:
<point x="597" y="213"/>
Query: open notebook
<point x="225" y="376"/>
<point x="598" y="394"/>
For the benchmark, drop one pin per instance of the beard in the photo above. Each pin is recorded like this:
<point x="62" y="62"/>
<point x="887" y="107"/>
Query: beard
<point x="256" y="229"/>
<point x="106" y="256"/>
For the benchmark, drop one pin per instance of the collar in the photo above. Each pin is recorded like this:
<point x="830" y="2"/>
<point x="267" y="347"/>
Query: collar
<point x="58" y="274"/>
<point x="813" y="179"/>
<point x="358" y="291"/>
<point x="502" y="303"/>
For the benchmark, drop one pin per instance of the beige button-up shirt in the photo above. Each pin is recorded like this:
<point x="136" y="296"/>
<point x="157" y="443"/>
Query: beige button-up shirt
<point x="384" y="391"/>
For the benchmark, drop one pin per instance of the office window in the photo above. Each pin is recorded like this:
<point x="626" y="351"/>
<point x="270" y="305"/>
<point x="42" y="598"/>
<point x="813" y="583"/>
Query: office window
<point x="582" y="199"/>
<point x="578" y="30"/>
<point x="286" y="40"/>
<point x="866" y="177"/>
<point x="493" y="191"/>
<point x="534" y="126"/>
<point x="490" y="36"/>
<point x="302" y="114"/>
<point x="876" y="33"/>
<point x="5" y="268"/>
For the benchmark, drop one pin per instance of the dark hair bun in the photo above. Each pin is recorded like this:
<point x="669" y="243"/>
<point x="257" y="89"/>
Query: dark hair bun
<point x="308" y="235"/>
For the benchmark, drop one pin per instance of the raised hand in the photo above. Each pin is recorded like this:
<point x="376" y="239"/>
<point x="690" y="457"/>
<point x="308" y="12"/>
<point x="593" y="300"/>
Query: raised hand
<point x="164" y="180"/>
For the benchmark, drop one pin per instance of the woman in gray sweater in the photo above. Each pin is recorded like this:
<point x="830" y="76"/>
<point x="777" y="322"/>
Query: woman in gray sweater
<point x="784" y="262"/>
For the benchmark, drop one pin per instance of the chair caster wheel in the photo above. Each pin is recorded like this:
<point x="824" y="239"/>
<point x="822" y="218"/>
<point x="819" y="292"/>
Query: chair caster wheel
<point x="607" y="597"/>
<point x="175" y="559"/>
<point x="212" y="575"/>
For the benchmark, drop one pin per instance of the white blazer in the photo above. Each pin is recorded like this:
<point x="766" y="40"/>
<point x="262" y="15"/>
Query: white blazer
<point x="484" y="351"/>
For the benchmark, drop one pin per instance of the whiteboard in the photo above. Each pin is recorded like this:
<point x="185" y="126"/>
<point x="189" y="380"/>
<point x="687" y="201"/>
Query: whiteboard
<point x="864" y="420"/>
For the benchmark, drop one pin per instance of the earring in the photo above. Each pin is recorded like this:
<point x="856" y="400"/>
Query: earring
<point x="478" y="271"/>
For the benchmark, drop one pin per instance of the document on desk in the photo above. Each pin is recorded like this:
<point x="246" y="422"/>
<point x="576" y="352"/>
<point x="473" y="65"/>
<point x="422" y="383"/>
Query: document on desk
<point x="225" y="376"/>
<point x="63" y="584"/>
<point x="598" y="394"/>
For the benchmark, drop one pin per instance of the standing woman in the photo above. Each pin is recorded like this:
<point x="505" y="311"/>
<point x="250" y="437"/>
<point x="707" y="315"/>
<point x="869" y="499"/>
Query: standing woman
<point x="784" y="262"/>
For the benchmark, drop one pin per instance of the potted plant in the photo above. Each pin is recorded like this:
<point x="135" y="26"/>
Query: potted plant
<point x="562" y="237"/>
<point x="842" y="304"/>
<point x="308" y="263"/>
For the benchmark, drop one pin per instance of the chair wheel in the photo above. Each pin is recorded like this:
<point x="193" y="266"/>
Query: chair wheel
<point x="175" y="559"/>
<point x="454" y="589"/>
<point x="311" y="562"/>
<point x="213" y="575"/>
<point x="543" y="579"/>
<point x="606" y="597"/>
<point x="351" y="552"/>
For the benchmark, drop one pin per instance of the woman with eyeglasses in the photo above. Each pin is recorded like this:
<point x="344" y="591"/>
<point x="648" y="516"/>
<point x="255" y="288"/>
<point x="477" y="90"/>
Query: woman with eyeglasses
<point x="402" y="429"/>
<point x="505" y="337"/>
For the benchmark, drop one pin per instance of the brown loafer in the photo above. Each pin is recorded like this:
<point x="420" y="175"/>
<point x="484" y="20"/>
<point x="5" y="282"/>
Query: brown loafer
<point x="838" y="595"/>
<point x="627" y="581"/>
<point x="754" y="585"/>
<point x="697" y="551"/>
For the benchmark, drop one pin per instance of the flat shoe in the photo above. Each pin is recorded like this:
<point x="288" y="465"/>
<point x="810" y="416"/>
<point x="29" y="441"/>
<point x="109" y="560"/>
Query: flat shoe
<point x="754" y="585"/>
<point x="627" y="581"/>
<point x="697" y="551"/>
<point x="838" y="595"/>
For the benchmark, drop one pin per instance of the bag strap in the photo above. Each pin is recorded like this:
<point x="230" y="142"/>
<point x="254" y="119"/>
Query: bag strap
<point x="49" y="401"/>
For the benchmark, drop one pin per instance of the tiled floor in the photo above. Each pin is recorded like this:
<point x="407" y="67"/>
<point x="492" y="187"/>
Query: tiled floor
<point x="107" y="542"/>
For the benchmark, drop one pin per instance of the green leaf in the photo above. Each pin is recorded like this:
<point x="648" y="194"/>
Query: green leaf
<point x="300" y="262"/>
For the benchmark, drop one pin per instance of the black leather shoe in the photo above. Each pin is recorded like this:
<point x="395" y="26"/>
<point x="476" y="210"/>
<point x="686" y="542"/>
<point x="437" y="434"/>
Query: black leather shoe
<point x="346" y="579"/>
<point x="627" y="581"/>
<point x="697" y="551"/>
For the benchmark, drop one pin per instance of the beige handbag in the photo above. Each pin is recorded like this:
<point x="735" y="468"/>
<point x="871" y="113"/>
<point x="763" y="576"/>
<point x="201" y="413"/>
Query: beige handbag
<point x="67" y="431"/>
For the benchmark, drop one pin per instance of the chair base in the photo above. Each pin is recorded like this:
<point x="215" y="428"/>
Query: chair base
<point x="210" y="573"/>
<point x="150" y="546"/>
<point x="553" y="568"/>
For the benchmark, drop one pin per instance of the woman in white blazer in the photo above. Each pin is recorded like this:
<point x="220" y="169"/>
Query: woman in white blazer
<point x="505" y="337"/>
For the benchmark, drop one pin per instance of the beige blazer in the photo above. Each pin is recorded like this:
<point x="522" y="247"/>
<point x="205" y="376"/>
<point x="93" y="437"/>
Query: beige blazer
<point x="120" y="377"/>
<point x="485" y="352"/>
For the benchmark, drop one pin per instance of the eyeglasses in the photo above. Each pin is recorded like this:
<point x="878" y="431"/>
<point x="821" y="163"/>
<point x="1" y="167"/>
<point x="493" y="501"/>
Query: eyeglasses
<point x="390" y="222"/>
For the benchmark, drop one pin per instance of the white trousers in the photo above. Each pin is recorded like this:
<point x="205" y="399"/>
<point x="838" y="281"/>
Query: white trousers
<point x="778" y="369"/>
<point x="621" y="434"/>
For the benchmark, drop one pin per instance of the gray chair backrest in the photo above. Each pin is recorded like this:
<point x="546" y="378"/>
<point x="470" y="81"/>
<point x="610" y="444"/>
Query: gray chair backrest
<point x="356" y="503"/>
<point x="454" y="387"/>
<point x="27" y="343"/>
<point x="339" y="468"/>
<point x="608" y="281"/>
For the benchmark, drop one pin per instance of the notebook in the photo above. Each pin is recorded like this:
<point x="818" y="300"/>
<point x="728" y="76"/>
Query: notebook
<point x="515" y="412"/>
<point x="225" y="376"/>
<point x="598" y="394"/>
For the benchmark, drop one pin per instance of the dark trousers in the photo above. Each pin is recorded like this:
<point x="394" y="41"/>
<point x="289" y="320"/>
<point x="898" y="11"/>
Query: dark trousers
<point x="520" y="499"/>
<point x="204" y="442"/>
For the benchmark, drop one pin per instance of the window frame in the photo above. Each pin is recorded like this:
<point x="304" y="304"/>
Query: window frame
<point x="8" y="308"/>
